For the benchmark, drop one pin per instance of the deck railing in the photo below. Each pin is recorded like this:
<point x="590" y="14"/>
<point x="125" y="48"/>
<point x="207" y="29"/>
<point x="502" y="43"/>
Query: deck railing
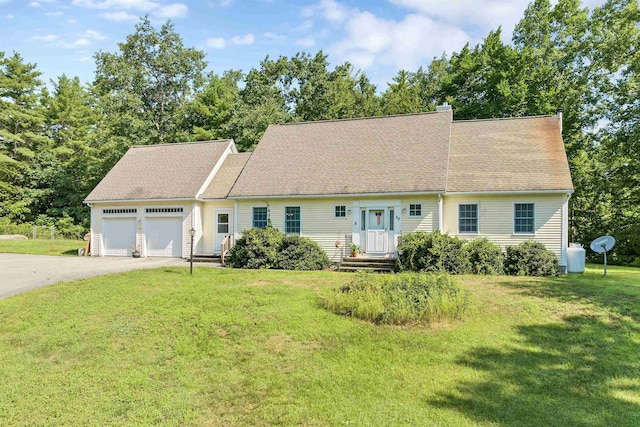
<point x="225" y="246"/>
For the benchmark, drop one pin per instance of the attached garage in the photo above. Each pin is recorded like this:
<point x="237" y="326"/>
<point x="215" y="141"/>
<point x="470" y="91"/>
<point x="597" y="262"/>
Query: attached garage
<point x="164" y="236"/>
<point x="119" y="236"/>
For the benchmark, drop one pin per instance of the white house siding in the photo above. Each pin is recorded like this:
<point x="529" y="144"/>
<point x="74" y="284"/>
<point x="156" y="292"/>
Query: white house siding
<point x="96" y="222"/>
<point x="319" y="223"/>
<point x="427" y="222"/>
<point x="205" y="244"/>
<point x="496" y="219"/>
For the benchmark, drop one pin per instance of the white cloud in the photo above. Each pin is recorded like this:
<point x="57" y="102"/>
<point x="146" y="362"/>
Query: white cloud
<point x="330" y="10"/>
<point x="45" y="38"/>
<point x="58" y="13"/>
<point x="34" y="4"/>
<point x="81" y="42"/>
<point x="275" y="37"/>
<point x="95" y="35"/>
<point x="305" y="26"/>
<point x="306" y="42"/>
<point x="84" y="59"/>
<point x="247" y="39"/>
<point x="369" y="41"/>
<point x="9" y="16"/>
<point x="175" y="10"/>
<point x="119" y="16"/>
<point x="468" y="13"/>
<point x="216" y="43"/>
<point x="72" y="21"/>
<point x="119" y="8"/>
<point x="219" y="3"/>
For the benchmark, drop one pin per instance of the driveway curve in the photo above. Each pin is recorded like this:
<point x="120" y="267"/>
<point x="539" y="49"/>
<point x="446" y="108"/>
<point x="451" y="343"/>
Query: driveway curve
<point x="21" y="273"/>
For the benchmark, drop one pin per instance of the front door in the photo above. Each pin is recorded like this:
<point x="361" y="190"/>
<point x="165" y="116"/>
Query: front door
<point x="376" y="231"/>
<point x="223" y="227"/>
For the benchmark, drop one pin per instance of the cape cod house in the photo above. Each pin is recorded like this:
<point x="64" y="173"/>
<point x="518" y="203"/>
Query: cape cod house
<point x="366" y="181"/>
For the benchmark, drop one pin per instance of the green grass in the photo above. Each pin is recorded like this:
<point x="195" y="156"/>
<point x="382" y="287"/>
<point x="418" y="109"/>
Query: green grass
<point x="230" y="347"/>
<point x="42" y="247"/>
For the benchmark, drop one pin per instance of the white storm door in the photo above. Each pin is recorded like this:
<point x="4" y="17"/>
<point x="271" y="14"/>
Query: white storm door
<point x="119" y="235"/>
<point x="164" y="236"/>
<point x="376" y="231"/>
<point x="222" y="228"/>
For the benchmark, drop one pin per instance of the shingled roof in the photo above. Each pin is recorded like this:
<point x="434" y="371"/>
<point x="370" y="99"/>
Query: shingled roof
<point x="519" y="154"/>
<point x="167" y="171"/>
<point x="392" y="154"/>
<point x="226" y="176"/>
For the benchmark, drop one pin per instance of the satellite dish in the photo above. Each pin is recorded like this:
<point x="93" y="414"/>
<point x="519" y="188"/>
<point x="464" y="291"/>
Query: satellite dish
<point x="602" y="245"/>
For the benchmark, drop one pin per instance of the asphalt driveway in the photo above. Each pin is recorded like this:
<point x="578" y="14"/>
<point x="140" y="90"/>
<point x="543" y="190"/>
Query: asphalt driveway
<point x="21" y="273"/>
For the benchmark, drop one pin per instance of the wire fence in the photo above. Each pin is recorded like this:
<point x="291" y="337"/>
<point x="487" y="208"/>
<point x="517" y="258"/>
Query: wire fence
<point x="42" y="232"/>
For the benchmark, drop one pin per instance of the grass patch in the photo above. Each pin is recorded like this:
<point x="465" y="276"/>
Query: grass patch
<point x="233" y="347"/>
<point x="42" y="247"/>
<point x="400" y="298"/>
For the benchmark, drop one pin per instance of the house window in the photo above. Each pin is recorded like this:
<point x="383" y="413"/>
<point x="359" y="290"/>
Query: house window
<point x="119" y="211"/>
<point x="363" y="220"/>
<point x="524" y="218"/>
<point x="415" y="209"/>
<point x="292" y="219"/>
<point x="391" y="220"/>
<point x="164" y="210"/>
<point x="340" y="211"/>
<point x="260" y="217"/>
<point x="467" y="218"/>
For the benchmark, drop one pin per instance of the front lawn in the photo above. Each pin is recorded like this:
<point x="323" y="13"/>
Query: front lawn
<point x="233" y="347"/>
<point x="42" y="247"/>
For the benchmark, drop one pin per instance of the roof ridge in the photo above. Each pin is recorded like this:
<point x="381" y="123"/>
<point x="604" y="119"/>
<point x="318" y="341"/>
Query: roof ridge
<point x="235" y="181"/>
<point x="388" y="116"/>
<point x="504" y="118"/>
<point x="180" y="143"/>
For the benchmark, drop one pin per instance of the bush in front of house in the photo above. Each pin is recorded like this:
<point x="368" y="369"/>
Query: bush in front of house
<point x="257" y="248"/>
<point x="300" y="253"/>
<point x="400" y="298"/>
<point x="268" y="248"/>
<point x="432" y="252"/>
<point x="530" y="258"/>
<point x="485" y="257"/>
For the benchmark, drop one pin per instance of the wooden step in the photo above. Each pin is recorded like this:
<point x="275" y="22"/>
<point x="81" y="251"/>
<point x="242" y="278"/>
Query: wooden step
<point x="350" y="269"/>
<point x="380" y="265"/>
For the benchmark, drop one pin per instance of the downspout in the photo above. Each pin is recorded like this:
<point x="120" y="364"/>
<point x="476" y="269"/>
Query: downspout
<point x="440" y="213"/>
<point x="565" y="231"/>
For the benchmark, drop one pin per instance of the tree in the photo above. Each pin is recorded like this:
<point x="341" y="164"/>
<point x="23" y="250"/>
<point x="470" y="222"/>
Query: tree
<point x="149" y="82"/>
<point x="75" y="158"/>
<point x="21" y="133"/>
<point x="213" y="107"/>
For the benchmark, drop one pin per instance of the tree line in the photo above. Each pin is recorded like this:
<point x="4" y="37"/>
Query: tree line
<point x="58" y="141"/>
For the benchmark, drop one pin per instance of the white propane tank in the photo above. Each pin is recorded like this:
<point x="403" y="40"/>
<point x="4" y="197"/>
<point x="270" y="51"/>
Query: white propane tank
<point x="575" y="258"/>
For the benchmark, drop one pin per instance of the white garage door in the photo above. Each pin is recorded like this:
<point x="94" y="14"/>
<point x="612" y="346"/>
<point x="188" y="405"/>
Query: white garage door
<point x="164" y="237"/>
<point x="119" y="236"/>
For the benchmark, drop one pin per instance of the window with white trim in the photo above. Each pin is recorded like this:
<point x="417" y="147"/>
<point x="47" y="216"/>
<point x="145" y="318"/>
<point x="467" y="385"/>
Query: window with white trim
<point x="292" y="219"/>
<point x="468" y="218"/>
<point x="415" y="209"/>
<point x="524" y="218"/>
<point x="260" y="217"/>
<point x="119" y="211"/>
<point x="340" y="211"/>
<point x="164" y="210"/>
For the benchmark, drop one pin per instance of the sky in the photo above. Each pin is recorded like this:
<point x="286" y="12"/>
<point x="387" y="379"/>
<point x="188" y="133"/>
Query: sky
<point x="379" y="37"/>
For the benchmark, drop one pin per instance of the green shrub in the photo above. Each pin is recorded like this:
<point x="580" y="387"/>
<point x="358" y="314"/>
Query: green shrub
<point x="432" y="252"/>
<point x="399" y="298"/>
<point x="530" y="259"/>
<point x="484" y="256"/>
<point x="268" y="248"/>
<point x="257" y="248"/>
<point x="300" y="253"/>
